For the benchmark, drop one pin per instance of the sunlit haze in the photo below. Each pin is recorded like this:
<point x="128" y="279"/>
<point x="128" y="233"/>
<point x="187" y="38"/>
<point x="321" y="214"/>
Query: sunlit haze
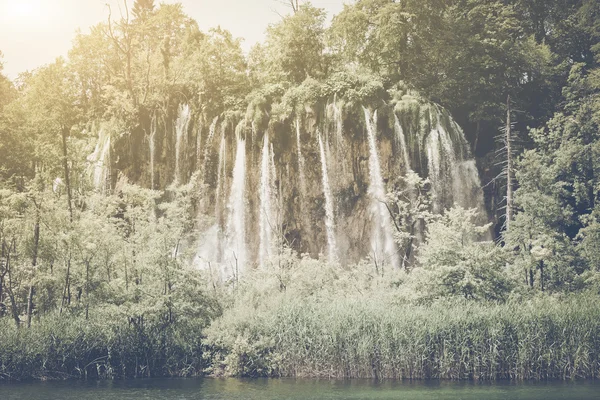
<point x="35" y="32"/>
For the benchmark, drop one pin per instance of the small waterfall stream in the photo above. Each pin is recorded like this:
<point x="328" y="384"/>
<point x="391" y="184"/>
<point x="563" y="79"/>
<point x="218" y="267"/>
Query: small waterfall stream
<point x="221" y="177"/>
<point x="235" y="250"/>
<point x="401" y="140"/>
<point x="181" y="129"/>
<point x="301" y="161"/>
<point x="329" y="216"/>
<point x="207" y="145"/>
<point x="382" y="242"/>
<point x="265" y="213"/>
<point x="100" y="161"/>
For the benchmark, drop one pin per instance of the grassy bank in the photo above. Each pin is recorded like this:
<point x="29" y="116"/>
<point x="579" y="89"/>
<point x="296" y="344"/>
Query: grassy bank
<point x="541" y="338"/>
<point x="67" y="346"/>
<point x="327" y="334"/>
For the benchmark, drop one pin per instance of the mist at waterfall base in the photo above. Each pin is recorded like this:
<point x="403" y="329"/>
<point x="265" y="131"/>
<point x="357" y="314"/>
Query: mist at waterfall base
<point x="316" y="183"/>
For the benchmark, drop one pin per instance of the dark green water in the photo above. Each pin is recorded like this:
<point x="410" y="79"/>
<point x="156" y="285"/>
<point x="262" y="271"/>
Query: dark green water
<point x="265" y="389"/>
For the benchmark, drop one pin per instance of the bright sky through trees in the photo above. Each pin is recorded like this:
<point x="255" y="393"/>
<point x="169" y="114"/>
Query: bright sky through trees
<point x="35" y="32"/>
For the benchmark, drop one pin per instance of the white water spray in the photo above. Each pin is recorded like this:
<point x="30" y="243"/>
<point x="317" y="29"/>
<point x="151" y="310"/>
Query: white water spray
<point x="265" y="213"/>
<point x="207" y="145"/>
<point x="382" y="240"/>
<point x="221" y="173"/>
<point x="329" y="216"/>
<point x="100" y="160"/>
<point x="235" y="251"/>
<point x="401" y="140"/>
<point x="301" y="161"/>
<point x="181" y="128"/>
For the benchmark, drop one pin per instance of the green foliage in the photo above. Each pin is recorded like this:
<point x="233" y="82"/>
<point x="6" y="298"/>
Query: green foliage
<point x="467" y="55"/>
<point x="455" y="262"/>
<point x="106" y="277"/>
<point x="559" y="191"/>
<point x="68" y="346"/>
<point x="294" y="48"/>
<point x="361" y="337"/>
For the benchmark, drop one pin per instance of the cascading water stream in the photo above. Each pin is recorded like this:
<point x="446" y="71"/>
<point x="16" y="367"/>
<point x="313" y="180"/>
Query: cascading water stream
<point x="221" y="173"/>
<point x="101" y="160"/>
<point x="265" y="213"/>
<point x="401" y="140"/>
<point x="382" y="241"/>
<point x="285" y="197"/>
<point x="329" y="215"/>
<point x="301" y="161"/>
<point x="181" y="128"/>
<point x="235" y="250"/>
<point x="277" y="200"/>
<point x="207" y="145"/>
<point x="434" y="167"/>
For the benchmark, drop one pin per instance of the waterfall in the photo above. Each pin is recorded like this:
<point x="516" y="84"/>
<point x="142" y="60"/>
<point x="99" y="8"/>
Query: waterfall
<point x="265" y="204"/>
<point x="181" y="129"/>
<point x="221" y="173"/>
<point x="382" y="240"/>
<point x="100" y="161"/>
<point x="454" y="178"/>
<point x="151" y="146"/>
<point x="258" y="203"/>
<point x="434" y="167"/>
<point x="306" y="223"/>
<point x="401" y="141"/>
<point x="329" y="217"/>
<point x="209" y="138"/>
<point x="300" y="160"/>
<point x="235" y="250"/>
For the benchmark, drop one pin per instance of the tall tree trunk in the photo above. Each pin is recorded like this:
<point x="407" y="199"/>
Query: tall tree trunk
<point x="66" y="295"/>
<point x="67" y="289"/>
<point x="36" y="243"/>
<point x="295" y="5"/>
<point x="509" y="178"/>
<point x="531" y="280"/>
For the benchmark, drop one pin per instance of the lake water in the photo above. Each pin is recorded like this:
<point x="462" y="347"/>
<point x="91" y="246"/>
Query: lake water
<point x="267" y="389"/>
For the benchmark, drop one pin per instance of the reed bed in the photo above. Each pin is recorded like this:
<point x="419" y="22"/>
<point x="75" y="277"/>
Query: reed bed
<point x="63" y="347"/>
<point x="539" y="339"/>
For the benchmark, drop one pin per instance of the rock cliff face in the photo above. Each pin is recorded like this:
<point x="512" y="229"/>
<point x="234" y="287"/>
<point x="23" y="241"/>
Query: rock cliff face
<point x="316" y="179"/>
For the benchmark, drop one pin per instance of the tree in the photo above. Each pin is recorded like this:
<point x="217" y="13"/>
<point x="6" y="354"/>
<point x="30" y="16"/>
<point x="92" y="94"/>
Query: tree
<point x="141" y="8"/>
<point x="559" y="190"/>
<point x="7" y="91"/>
<point x="411" y="210"/>
<point x="455" y="262"/>
<point x="295" y="46"/>
<point x="466" y="56"/>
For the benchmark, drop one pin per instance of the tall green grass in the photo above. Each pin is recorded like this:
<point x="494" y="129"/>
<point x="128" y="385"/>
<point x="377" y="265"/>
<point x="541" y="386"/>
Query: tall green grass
<point x="539" y="339"/>
<point x="67" y="346"/>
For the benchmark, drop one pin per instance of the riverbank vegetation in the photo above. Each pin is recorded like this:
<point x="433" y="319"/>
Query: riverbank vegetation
<point x="365" y="336"/>
<point x="100" y="241"/>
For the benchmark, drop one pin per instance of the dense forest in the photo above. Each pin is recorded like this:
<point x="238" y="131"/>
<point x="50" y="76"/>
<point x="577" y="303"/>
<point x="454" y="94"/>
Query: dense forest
<point x="410" y="191"/>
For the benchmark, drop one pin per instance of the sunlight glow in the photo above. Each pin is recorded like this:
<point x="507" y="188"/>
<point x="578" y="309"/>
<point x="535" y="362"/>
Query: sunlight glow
<point x="26" y="13"/>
